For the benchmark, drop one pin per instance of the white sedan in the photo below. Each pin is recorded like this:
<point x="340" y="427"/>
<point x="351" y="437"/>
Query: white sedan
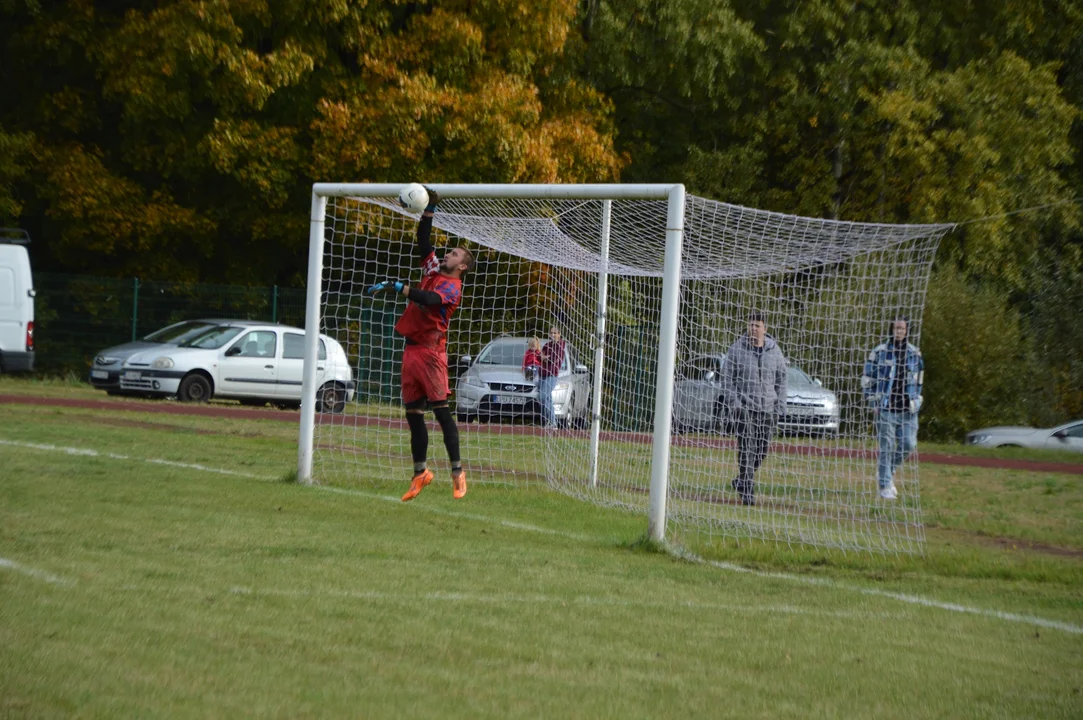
<point x="1062" y="437"/>
<point x="252" y="362"/>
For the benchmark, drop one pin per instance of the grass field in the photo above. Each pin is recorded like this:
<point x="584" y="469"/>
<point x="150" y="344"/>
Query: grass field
<point x="159" y="565"/>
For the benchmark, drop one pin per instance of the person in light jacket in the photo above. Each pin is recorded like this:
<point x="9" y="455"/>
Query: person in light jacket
<point x="754" y="388"/>
<point x="891" y="382"/>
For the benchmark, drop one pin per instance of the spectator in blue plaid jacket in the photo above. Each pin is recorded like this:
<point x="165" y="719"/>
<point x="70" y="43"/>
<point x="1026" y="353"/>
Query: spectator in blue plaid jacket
<point x="894" y="373"/>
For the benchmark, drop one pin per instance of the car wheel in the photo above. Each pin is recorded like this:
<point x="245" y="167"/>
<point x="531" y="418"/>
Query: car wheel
<point x="194" y="388"/>
<point x="331" y="398"/>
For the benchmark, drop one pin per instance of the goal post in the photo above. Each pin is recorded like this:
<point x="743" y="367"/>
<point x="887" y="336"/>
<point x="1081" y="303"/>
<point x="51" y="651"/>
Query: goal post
<point x="667" y="350"/>
<point x="599" y="349"/>
<point x="313" y="288"/>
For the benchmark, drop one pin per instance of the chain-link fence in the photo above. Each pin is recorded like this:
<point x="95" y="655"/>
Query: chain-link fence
<point x="77" y="316"/>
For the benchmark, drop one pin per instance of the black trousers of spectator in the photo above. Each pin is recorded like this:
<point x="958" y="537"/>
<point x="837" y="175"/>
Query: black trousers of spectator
<point x="754" y="433"/>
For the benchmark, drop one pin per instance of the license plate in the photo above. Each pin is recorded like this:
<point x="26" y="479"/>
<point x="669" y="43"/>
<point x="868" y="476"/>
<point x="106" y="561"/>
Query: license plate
<point x="509" y="399"/>
<point x="133" y="375"/>
<point x="100" y="374"/>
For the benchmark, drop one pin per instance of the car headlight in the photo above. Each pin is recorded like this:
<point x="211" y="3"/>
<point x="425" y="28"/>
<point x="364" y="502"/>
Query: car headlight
<point x="830" y="403"/>
<point x="980" y="439"/>
<point x="162" y="363"/>
<point x="475" y="382"/>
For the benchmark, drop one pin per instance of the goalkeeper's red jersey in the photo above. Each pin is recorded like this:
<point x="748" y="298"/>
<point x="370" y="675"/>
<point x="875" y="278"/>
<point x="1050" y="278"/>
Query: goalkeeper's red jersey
<point x="427" y="326"/>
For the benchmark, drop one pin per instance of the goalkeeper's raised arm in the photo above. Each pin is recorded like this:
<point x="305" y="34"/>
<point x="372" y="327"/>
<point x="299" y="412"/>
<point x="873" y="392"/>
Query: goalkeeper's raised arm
<point x="424" y="230"/>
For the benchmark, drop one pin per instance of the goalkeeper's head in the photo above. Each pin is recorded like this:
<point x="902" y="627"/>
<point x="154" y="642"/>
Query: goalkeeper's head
<point x="457" y="262"/>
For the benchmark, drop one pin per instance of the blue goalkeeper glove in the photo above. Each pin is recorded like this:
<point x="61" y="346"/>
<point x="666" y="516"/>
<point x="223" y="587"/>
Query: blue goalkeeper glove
<point x="387" y="286"/>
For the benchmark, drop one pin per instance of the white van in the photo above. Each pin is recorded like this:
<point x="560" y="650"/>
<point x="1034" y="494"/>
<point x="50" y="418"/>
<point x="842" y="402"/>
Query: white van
<point x="16" y="302"/>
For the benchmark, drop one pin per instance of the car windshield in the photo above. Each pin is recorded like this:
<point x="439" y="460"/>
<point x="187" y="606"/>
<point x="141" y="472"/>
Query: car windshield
<point x="698" y="368"/>
<point x="798" y="376"/>
<point x="503" y="353"/>
<point x="213" y="338"/>
<point x="179" y="333"/>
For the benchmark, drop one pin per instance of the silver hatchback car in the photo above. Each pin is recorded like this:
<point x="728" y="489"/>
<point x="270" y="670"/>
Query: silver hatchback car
<point x="697" y="400"/>
<point x="493" y="386"/>
<point x="108" y="364"/>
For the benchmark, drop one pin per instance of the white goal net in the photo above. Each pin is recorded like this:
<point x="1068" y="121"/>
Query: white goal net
<point x="593" y="271"/>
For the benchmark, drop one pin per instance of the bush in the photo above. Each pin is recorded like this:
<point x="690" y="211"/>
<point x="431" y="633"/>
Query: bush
<point x="977" y="362"/>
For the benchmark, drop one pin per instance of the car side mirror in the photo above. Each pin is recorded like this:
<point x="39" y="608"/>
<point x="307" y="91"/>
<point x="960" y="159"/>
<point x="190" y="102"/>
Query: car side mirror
<point x="581" y="370"/>
<point x="235" y="350"/>
<point x="817" y="381"/>
<point x="1061" y="434"/>
<point x="710" y="376"/>
<point x="465" y="361"/>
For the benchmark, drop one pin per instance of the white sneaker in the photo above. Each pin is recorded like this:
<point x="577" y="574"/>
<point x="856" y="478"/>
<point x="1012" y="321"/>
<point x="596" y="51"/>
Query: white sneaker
<point x="889" y="493"/>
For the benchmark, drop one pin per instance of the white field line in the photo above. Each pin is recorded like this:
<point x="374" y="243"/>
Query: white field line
<point x="464" y="516"/>
<point x="34" y="572"/>
<point x="114" y="456"/>
<point x="729" y="567"/>
<point x="901" y="597"/>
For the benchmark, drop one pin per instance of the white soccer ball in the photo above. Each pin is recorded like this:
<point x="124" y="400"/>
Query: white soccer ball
<point x="414" y="197"/>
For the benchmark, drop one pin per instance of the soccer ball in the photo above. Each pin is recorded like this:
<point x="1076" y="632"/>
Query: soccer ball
<point x="414" y="198"/>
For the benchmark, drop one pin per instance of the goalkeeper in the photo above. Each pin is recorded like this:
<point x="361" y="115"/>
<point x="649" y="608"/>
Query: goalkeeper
<point x="424" y="324"/>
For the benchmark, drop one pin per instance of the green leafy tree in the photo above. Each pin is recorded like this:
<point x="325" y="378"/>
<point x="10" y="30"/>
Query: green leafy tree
<point x="977" y="366"/>
<point x="180" y="138"/>
<point x="911" y="111"/>
<point x="15" y="160"/>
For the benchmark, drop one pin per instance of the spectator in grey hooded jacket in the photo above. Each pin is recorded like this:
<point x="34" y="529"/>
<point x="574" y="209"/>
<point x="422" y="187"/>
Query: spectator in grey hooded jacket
<point x="754" y="385"/>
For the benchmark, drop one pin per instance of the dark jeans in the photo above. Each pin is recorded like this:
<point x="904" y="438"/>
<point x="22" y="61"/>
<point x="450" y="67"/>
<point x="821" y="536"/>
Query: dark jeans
<point x="754" y="433"/>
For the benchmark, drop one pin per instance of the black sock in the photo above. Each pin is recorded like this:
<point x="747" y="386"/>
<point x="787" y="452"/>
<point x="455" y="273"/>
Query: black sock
<point x="419" y="439"/>
<point x="451" y="437"/>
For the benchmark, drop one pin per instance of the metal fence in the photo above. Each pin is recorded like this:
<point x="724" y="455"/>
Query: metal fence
<point x="76" y="316"/>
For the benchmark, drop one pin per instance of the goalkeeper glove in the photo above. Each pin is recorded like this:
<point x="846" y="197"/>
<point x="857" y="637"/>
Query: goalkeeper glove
<point x="387" y="286"/>
<point x="434" y="199"/>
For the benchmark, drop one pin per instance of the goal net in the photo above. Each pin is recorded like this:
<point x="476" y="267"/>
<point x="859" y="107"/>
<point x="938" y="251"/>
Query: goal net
<point x="592" y="272"/>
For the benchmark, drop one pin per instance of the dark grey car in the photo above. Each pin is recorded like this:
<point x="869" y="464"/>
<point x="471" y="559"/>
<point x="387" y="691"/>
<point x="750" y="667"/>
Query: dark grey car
<point x="106" y="367"/>
<point x="698" y="402"/>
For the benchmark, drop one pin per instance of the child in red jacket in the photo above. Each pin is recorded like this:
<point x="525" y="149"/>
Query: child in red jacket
<point x="532" y="359"/>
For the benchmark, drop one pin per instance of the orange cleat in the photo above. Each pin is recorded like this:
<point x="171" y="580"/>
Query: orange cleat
<point x="458" y="485"/>
<point x="418" y="484"/>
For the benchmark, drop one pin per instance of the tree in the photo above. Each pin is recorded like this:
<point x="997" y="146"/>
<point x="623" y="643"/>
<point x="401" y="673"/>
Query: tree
<point x="181" y="137"/>
<point x="910" y="111"/>
<point x="15" y="156"/>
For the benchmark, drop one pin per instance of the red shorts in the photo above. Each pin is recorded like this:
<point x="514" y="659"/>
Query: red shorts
<point x="424" y="374"/>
